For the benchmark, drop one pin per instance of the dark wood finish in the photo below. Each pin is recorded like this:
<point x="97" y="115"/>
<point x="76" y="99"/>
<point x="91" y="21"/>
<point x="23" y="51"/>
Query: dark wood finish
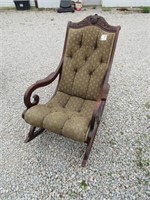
<point x="96" y="117"/>
<point x="100" y="22"/>
<point x="96" y="21"/>
<point x="41" y="83"/>
<point x="33" y="133"/>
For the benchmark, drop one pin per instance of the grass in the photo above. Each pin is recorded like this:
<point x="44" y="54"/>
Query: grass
<point x="73" y="194"/>
<point x="148" y="116"/>
<point x="106" y="9"/>
<point x="147" y="105"/>
<point x="122" y="133"/>
<point x="83" y="184"/>
<point x="146" y="9"/>
<point x="112" y="142"/>
<point x="7" y="8"/>
<point x="141" y="164"/>
<point x="142" y="181"/>
<point x="147" y="174"/>
<point x="94" y="7"/>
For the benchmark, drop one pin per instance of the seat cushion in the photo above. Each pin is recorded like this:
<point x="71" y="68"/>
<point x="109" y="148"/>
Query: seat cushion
<point x="64" y="114"/>
<point x="36" y="114"/>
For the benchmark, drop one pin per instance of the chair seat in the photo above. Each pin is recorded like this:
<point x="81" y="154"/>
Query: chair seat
<point x="64" y="114"/>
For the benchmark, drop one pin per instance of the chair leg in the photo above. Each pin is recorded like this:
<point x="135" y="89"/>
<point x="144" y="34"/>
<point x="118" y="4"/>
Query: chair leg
<point x="32" y="133"/>
<point x="89" y="146"/>
<point x="87" y="152"/>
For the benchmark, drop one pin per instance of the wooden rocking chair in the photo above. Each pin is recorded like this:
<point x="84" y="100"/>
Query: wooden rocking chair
<point x="76" y="107"/>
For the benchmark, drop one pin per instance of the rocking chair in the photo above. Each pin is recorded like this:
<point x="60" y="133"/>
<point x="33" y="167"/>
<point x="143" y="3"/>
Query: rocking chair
<point x="76" y="107"/>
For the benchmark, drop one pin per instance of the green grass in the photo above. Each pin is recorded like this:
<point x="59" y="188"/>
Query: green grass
<point x="94" y="7"/>
<point x="7" y="8"/>
<point x="83" y="184"/>
<point x="148" y="116"/>
<point x="106" y="9"/>
<point x="73" y="194"/>
<point x="147" y="105"/>
<point x="146" y="9"/>
<point x="141" y="163"/>
<point x="112" y="142"/>
<point x="122" y="133"/>
<point x="142" y="181"/>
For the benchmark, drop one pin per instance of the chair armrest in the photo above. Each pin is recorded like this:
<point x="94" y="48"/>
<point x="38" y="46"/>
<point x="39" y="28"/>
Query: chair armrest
<point x="41" y="83"/>
<point x="105" y="90"/>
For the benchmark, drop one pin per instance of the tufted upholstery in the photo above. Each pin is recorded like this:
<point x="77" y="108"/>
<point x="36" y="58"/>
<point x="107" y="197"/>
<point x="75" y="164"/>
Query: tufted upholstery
<point x="85" y="64"/>
<point x="64" y="114"/>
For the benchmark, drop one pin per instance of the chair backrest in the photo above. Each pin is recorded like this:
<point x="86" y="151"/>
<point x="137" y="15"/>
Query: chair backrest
<point x="88" y="54"/>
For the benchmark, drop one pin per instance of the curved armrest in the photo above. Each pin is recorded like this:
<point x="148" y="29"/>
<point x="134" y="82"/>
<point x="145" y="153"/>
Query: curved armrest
<point x="41" y="83"/>
<point x="105" y="90"/>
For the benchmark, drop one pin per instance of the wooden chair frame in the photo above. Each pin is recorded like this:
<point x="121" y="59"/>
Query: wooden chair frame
<point x="94" y="20"/>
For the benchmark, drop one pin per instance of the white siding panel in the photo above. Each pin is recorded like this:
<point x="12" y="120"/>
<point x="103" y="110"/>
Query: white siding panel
<point x="125" y="3"/>
<point x="10" y="3"/>
<point x="48" y="3"/>
<point x="91" y="2"/>
<point x="7" y="3"/>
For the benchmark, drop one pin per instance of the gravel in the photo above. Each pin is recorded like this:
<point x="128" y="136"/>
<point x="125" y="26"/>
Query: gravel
<point x="49" y="167"/>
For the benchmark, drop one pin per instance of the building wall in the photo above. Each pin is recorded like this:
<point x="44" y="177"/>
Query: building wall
<point x="125" y="3"/>
<point x="104" y="3"/>
<point x="91" y="2"/>
<point x="48" y="3"/>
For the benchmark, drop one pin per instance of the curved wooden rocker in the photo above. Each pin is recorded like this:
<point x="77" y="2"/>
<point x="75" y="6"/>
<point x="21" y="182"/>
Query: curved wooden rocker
<point x="76" y="107"/>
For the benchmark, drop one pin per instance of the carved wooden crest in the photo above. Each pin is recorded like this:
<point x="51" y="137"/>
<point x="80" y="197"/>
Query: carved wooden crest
<point x="96" y="21"/>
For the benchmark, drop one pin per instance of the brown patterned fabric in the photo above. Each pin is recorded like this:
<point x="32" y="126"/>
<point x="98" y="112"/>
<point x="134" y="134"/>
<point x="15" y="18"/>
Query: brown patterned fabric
<point x="64" y="114"/>
<point x="85" y="64"/>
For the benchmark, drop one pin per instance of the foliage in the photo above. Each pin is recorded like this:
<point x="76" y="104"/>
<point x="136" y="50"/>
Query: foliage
<point x="146" y="9"/>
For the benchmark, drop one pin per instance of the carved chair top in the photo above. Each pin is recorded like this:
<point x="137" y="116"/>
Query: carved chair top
<point x="96" y="21"/>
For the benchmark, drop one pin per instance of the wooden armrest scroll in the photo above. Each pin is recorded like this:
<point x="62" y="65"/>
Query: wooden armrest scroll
<point x="41" y="83"/>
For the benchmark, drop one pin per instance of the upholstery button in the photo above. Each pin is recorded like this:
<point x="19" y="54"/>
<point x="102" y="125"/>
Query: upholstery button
<point x="95" y="45"/>
<point x="85" y="58"/>
<point x="75" y="70"/>
<point x="80" y="44"/>
<point x="90" y="73"/>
